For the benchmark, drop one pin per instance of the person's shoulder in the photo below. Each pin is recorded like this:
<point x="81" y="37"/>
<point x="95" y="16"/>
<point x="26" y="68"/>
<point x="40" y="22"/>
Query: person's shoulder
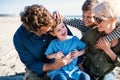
<point x="90" y="33"/>
<point x="69" y="37"/>
<point x="92" y="30"/>
<point x="75" y="38"/>
<point x="21" y="32"/>
<point x="20" y="29"/>
<point x="54" y="40"/>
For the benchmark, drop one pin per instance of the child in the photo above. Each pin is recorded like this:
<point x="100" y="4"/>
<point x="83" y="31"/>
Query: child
<point x="60" y="47"/>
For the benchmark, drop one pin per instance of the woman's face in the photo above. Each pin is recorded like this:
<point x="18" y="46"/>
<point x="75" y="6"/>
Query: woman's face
<point x="87" y="17"/>
<point x="103" y="25"/>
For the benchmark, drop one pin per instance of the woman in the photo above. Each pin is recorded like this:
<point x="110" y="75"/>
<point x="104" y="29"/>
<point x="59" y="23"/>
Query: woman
<point x="103" y="57"/>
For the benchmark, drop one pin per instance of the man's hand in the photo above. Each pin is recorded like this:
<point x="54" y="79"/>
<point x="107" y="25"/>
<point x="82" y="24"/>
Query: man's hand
<point x="63" y="61"/>
<point x="58" y="63"/>
<point x="57" y="16"/>
<point x="59" y="55"/>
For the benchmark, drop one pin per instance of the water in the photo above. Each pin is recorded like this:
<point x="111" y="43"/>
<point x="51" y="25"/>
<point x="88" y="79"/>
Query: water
<point x="80" y="17"/>
<point x="77" y="17"/>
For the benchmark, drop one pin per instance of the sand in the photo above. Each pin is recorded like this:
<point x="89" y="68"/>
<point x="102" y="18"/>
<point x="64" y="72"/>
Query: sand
<point x="10" y="63"/>
<point x="11" y="67"/>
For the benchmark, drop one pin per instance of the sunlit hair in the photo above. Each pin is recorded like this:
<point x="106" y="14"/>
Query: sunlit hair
<point x="107" y="9"/>
<point x="36" y="16"/>
<point x="58" y="21"/>
<point x="89" y="5"/>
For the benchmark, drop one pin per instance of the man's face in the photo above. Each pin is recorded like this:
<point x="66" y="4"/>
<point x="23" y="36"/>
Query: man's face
<point x="42" y="30"/>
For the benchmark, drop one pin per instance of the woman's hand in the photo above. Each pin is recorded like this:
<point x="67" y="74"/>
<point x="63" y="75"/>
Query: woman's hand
<point x="105" y="45"/>
<point x="102" y="44"/>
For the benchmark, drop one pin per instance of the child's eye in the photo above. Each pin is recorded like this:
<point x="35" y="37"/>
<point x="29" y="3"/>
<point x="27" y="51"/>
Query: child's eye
<point x="63" y="26"/>
<point x="58" y="30"/>
<point x="83" y="16"/>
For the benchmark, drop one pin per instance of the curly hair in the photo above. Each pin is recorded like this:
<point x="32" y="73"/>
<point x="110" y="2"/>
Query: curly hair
<point x="36" y="16"/>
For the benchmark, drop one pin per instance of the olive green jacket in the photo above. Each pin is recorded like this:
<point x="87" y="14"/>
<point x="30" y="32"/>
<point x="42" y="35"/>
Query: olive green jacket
<point x="97" y="63"/>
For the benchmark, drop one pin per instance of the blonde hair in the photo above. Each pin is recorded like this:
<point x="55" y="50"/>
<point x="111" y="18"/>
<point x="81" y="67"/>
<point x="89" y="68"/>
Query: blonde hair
<point x="107" y="9"/>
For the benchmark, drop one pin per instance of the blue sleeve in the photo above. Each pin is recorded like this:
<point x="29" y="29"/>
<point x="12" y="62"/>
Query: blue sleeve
<point x="30" y="62"/>
<point x="80" y="44"/>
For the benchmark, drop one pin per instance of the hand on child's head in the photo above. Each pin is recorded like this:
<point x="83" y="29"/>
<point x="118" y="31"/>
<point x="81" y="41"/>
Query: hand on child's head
<point x="57" y="16"/>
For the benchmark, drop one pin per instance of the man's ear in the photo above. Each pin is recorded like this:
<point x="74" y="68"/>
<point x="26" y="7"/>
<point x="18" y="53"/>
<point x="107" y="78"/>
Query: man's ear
<point x="52" y="33"/>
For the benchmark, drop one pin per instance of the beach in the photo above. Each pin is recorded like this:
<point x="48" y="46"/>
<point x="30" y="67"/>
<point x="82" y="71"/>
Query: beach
<point x="10" y="64"/>
<point x="11" y="67"/>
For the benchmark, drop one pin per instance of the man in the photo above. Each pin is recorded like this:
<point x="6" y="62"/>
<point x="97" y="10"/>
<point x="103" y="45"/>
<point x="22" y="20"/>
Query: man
<point x="31" y="40"/>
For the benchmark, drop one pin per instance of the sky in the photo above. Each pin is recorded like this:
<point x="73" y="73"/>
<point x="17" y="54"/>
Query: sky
<point x="65" y="7"/>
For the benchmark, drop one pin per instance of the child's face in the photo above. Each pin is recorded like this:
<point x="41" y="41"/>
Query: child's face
<point x="87" y="17"/>
<point x="61" y="31"/>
